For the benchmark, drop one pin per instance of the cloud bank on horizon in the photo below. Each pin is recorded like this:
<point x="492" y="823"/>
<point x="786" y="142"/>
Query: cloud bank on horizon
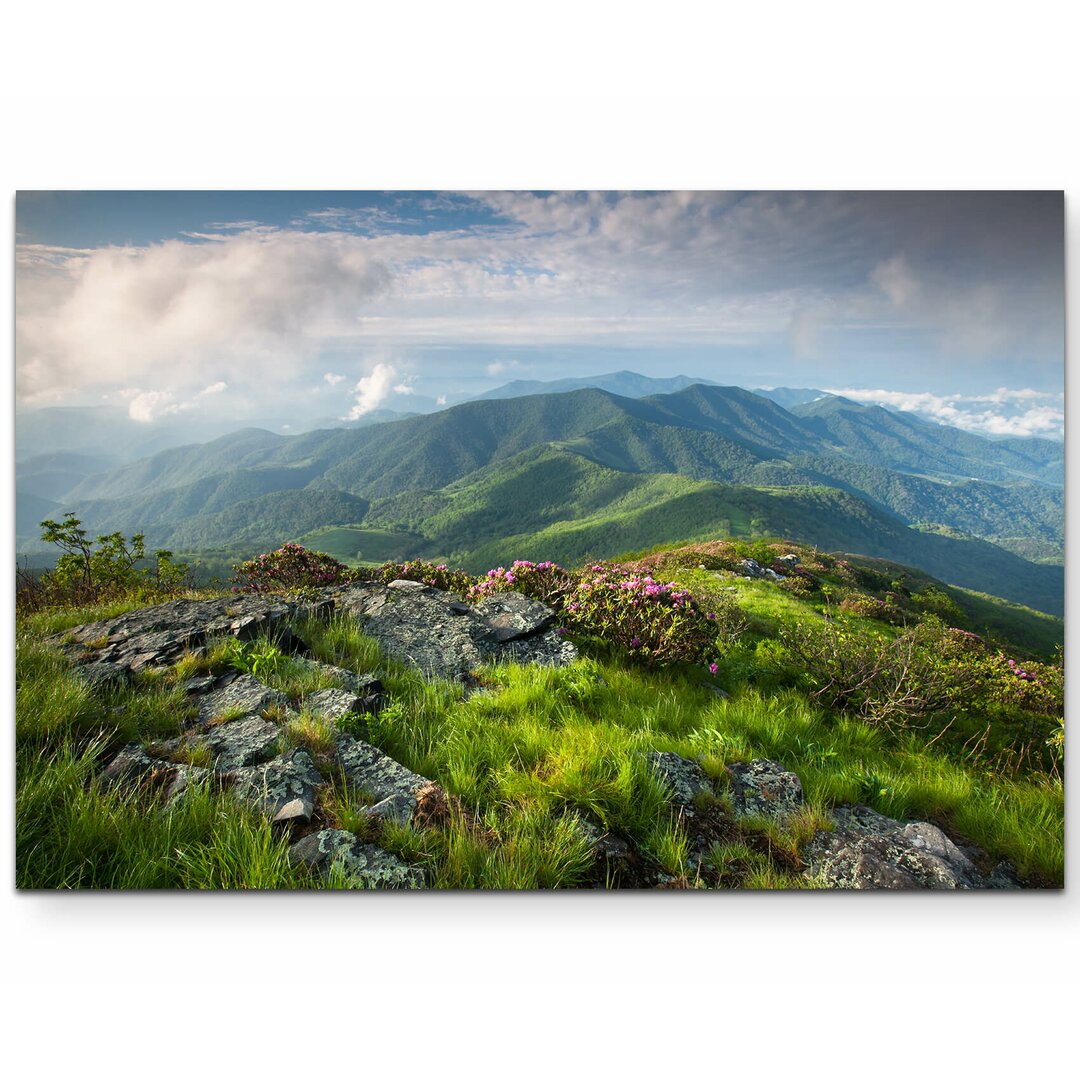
<point x="950" y="305"/>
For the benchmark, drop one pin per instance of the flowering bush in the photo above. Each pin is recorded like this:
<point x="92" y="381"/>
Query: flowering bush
<point x="656" y="623"/>
<point x="1034" y="686"/>
<point x="546" y="582"/>
<point x="439" y="575"/>
<point x="870" y="607"/>
<point x="290" y="568"/>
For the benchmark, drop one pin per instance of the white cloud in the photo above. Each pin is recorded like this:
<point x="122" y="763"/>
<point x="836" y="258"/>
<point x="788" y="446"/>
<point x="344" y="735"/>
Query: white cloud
<point x="147" y="405"/>
<point x="1003" y="412"/>
<point x="404" y="388"/>
<point x="372" y="390"/>
<point x="500" y="367"/>
<point x="333" y="379"/>
<point x="214" y="388"/>
<point x="224" y="310"/>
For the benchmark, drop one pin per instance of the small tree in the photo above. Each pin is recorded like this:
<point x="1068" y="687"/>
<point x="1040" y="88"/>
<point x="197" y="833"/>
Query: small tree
<point x="88" y="570"/>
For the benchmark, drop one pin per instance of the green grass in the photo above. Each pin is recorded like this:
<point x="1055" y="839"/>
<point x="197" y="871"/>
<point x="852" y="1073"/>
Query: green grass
<point x="522" y="761"/>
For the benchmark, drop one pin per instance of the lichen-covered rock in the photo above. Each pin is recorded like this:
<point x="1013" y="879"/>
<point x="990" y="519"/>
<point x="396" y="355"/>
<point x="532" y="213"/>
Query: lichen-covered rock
<point x="283" y="788"/>
<point x="445" y="638"/>
<point x="334" y="705"/>
<point x="245" y="694"/>
<point x="765" y="789"/>
<point x="103" y="675"/>
<point x="364" y="864"/>
<point x="398" y="809"/>
<point x="685" y="779"/>
<point x="512" y="615"/>
<point x="246" y="741"/>
<point x="136" y="767"/>
<point x="386" y="780"/>
<point x="157" y="636"/>
<point x="869" y="851"/>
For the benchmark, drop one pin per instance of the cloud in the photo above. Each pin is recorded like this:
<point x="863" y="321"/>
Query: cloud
<point x="956" y="277"/>
<point x="236" y="307"/>
<point x="147" y="405"/>
<point x="1002" y="412"/>
<point x="372" y="390"/>
<point x="214" y="388"/>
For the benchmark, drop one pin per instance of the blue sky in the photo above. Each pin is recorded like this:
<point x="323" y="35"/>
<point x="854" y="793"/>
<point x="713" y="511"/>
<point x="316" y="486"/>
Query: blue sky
<point x="330" y="304"/>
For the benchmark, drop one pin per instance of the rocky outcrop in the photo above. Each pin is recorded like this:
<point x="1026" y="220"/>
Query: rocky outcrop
<point x="446" y="638"/>
<point x="155" y="637"/>
<point x="686" y="780"/>
<point x="246" y="741"/>
<point x="242" y="695"/>
<point x="751" y="568"/>
<point x="393" y="787"/>
<point x="363" y="864"/>
<point x="283" y="789"/>
<point x="762" y="788"/>
<point x="869" y="851"/>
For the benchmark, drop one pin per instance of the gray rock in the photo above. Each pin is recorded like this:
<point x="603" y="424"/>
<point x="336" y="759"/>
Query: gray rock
<point x="284" y="788"/>
<point x="157" y="636"/>
<point x="684" y="779"/>
<point x="198" y="684"/>
<point x="245" y="693"/>
<point x="246" y="741"/>
<point x="103" y="675"/>
<point x="398" y="809"/>
<point x="364" y="864"/>
<point x="870" y="851"/>
<point x="605" y="845"/>
<point x="764" y="788"/>
<point x="369" y="769"/>
<point x="134" y="766"/>
<point x="512" y="615"/>
<point x="334" y="705"/>
<point x="444" y="638"/>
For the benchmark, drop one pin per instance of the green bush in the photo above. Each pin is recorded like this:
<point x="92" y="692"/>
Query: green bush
<point x="90" y="571"/>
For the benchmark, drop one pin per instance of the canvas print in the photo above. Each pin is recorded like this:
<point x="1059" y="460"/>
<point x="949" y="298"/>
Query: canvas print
<point x="539" y="540"/>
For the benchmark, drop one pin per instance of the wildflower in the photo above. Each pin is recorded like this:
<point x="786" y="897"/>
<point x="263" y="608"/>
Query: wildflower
<point x="713" y="668"/>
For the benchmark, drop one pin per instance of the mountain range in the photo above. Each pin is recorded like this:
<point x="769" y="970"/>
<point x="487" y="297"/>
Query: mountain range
<point x="588" y="472"/>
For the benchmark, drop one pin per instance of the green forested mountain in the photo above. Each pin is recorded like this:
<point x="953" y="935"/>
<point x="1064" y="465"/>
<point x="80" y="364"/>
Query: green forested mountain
<point x="591" y="473"/>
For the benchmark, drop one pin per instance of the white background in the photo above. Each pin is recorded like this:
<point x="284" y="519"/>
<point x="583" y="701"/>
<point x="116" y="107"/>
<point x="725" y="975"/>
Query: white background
<point x="478" y="95"/>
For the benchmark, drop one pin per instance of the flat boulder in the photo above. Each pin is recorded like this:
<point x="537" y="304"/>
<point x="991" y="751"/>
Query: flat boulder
<point x="248" y="740"/>
<point x="393" y="787"/>
<point x="243" y="695"/>
<point x="157" y="636"/>
<point x="762" y="788"/>
<point x="513" y="615"/>
<point x="867" y="850"/>
<point x="364" y="865"/>
<point x="334" y="705"/>
<point x="283" y="788"/>
<point x="135" y="767"/>
<point x="685" y="779"/>
<point x="443" y="637"/>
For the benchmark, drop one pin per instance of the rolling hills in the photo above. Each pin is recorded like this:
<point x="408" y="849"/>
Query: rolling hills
<point x="588" y="472"/>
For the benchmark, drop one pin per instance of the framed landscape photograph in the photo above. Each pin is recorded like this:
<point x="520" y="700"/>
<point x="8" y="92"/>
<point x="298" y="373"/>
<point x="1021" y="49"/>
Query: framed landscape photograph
<point x="519" y="540"/>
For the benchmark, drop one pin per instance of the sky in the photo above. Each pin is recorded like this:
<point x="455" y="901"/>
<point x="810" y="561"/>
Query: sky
<point x="290" y="307"/>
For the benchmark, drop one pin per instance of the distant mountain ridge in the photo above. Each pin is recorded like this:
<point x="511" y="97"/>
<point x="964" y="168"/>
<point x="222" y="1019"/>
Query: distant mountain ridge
<point x="630" y="468"/>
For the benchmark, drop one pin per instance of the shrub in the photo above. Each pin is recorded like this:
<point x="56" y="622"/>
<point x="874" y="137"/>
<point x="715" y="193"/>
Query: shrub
<point x="886" y="682"/>
<point x="655" y="623"/>
<point x="546" y="582"/>
<point x="90" y="571"/>
<point x="290" y="568"/>
<point x="870" y="607"/>
<point x="437" y="575"/>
